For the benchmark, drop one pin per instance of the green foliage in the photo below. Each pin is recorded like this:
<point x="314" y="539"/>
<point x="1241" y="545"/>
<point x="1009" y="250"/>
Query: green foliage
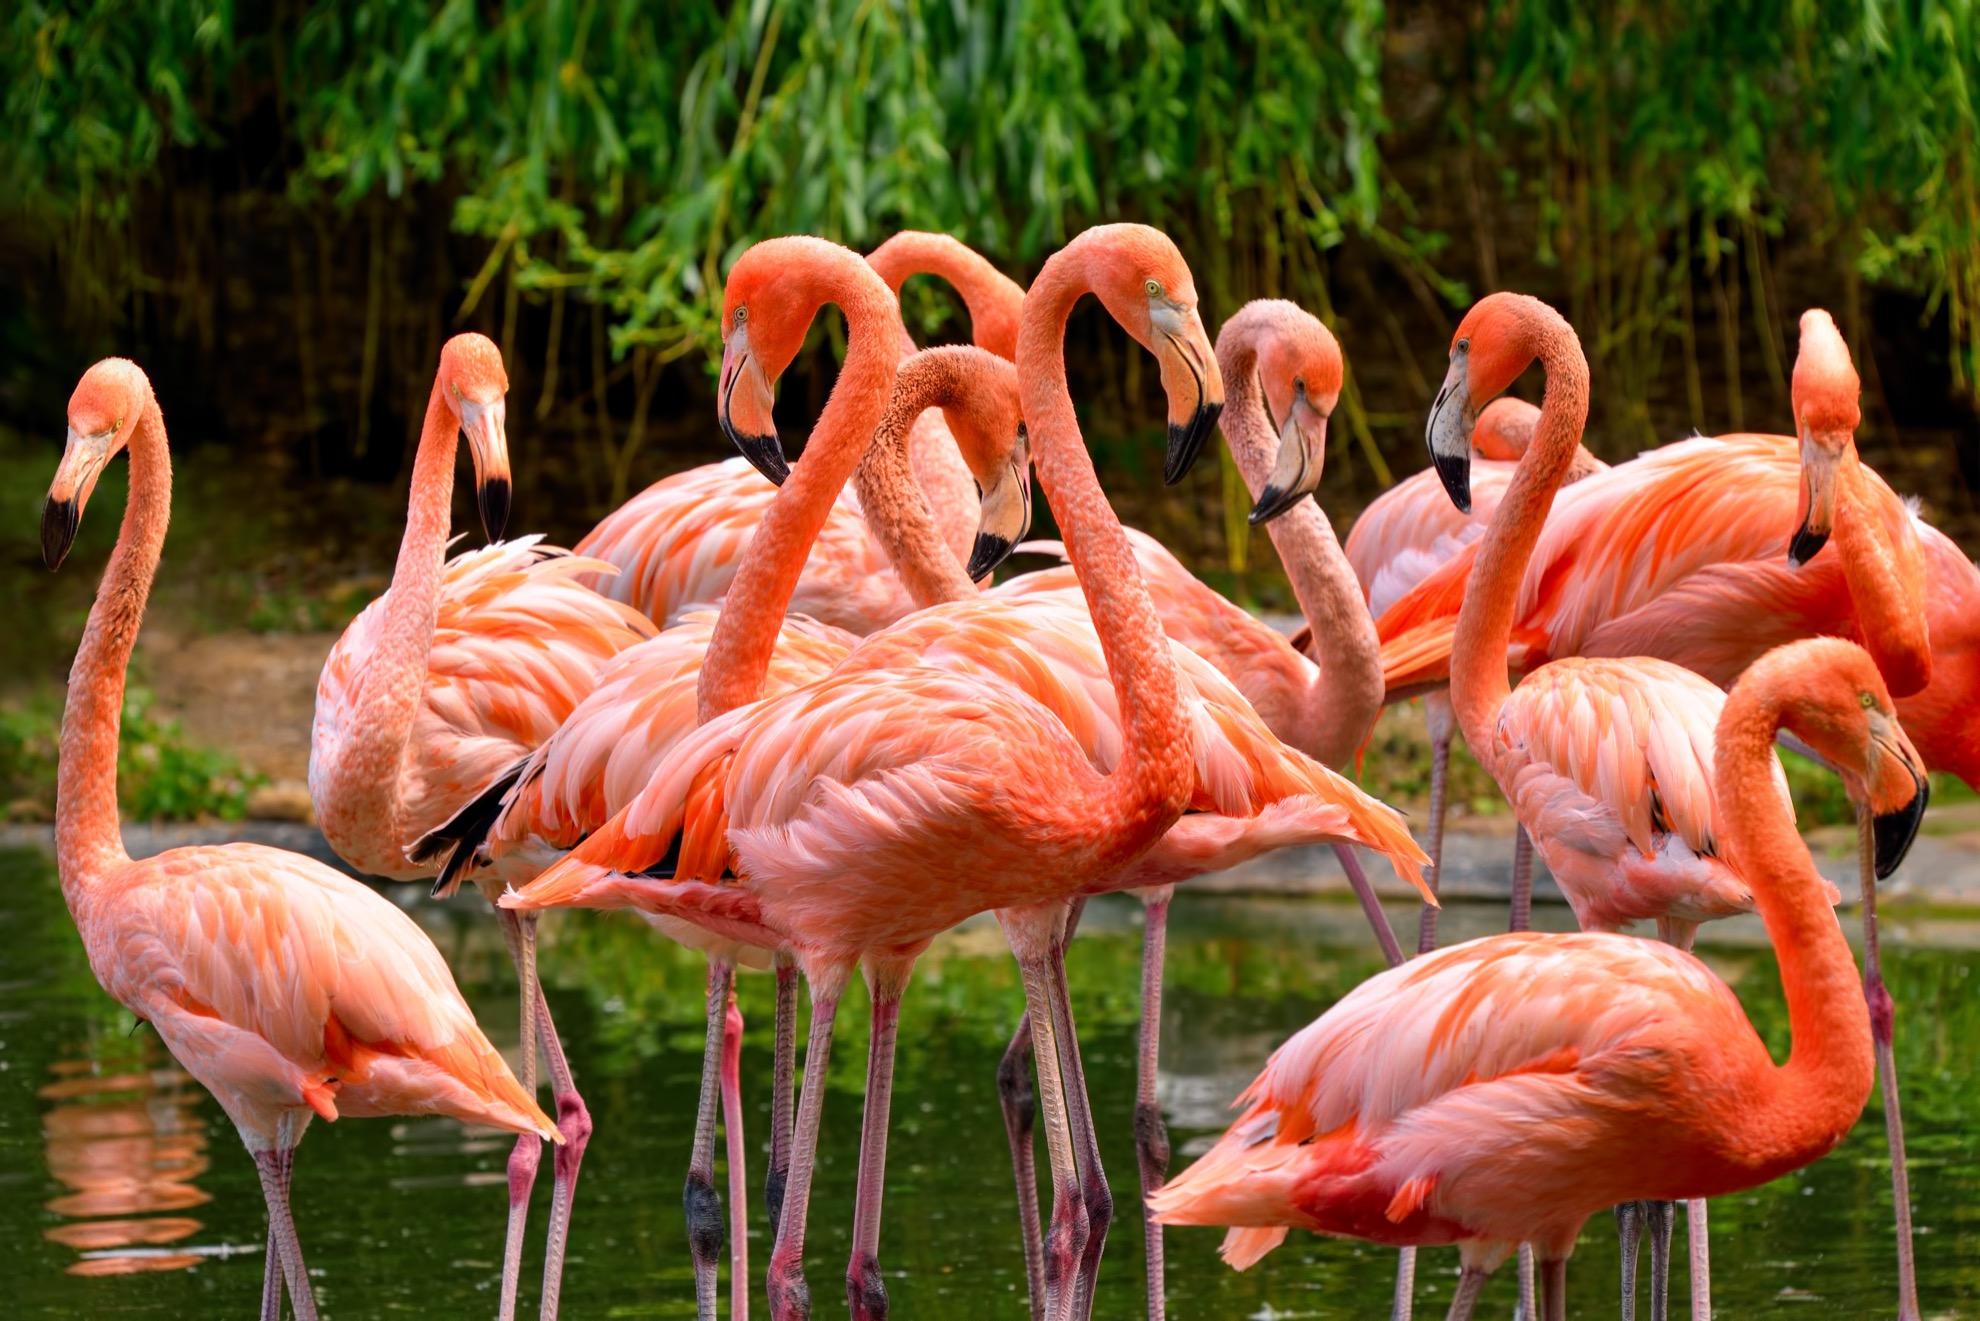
<point x="160" y="776"/>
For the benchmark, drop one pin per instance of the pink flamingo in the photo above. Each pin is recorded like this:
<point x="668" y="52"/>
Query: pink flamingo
<point x="784" y="906"/>
<point x="679" y="543"/>
<point x="434" y="693"/>
<point x="1504" y="1090"/>
<point x="289" y="991"/>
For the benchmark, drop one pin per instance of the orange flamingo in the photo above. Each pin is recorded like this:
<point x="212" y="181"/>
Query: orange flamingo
<point x="903" y="735"/>
<point x="1504" y="1090"/>
<point x="288" y="990"/>
<point x="679" y="543"/>
<point x="438" y="688"/>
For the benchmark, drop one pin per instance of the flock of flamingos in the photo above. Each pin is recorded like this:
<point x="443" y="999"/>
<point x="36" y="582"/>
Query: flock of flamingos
<point x="793" y="728"/>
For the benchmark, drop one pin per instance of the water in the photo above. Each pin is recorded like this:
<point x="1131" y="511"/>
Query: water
<point x="128" y="1195"/>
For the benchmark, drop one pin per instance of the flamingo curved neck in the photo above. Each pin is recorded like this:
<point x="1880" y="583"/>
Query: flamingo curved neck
<point x="1885" y="571"/>
<point x="1151" y="784"/>
<point x="89" y="839"/>
<point x="1344" y="698"/>
<point x="746" y="632"/>
<point x="1480" y="682"/>
<point x="365" y="781"/>
<point x="895" y="505"/>
<point x="1818" y="1093"/>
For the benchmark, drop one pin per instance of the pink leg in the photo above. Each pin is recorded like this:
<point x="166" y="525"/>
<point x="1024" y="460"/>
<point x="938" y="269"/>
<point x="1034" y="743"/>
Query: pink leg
<point x="1471" y="1283"/>
<point x="1403" y="1305"/>
<point x="783" y="1077"/>
<point x="271" y="1279"/>
<point x="1020" y="1108"/>
<point x="1529" y="1292"/>
<point x="1371" y="907"/>
<point x="1065" y="1240"/>
<point x="519" y="932"/>
<point x="1086" y="1141"/>
<point x="1883" y="1014"/>
<point x="790" y="1297"/>
<point x="574" y="1122"/>
<point x="276" y="1167"/>
<point x="1151" y="1135"/>
<point x="732" y="1134"/>
<point x="1553" y="1289"/>
<point x="1522" y="882"/>
<point x="702" y="1202"/>
<point x="866" y="1293"/>
<point x="1440" y="767"/>
<point x="1698" y="1236"/>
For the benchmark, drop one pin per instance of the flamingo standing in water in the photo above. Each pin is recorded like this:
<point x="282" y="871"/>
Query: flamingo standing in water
<point x="288" y="990"/>
<point x="438" y="688"/>
<point x="1504" y="1090"/>
<point x="679" y="543"/>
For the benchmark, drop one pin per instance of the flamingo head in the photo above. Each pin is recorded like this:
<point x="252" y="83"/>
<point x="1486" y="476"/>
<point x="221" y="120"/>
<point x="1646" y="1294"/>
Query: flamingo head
<point x="473" y="384"/>
<point x="1300" y="369"/>
<point x="1504" y="429"/>
<point x="1141" y="278"/>
<point x="1497" y="340"/>
<point x="1834" y="700"/>
<point x="978" y="396"/>
<point x="1826" y="416"/>
<point x="103" y="412"/>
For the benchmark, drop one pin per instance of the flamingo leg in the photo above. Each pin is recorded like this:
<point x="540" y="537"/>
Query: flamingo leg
<point x="1883" y="1013"/>
<point x="1020" y="1109"/>
<point x="783" y="1076"/>
<point x="1629" y="1228"/>
<point x="790" y="1297"/>
<point x="1698" y="1236"/>
<point x="1151" y="1135"/>
<point x="1661" y="1217"/>
<point x="1440" y="767"/>
<point x="1529" y="1301"/>
<point x="699" y="1198"/>
<point x="271" y="1279"/>
<point x="1065" y="1241"/>
<point x="738" y="1159"/>
<point x="1404" y="1305"/>
<point x="1471" y="1283"/>
<point x="866" y="1292"/>
<point x="1086" y="1140"/>
<point x="574" y="1122"/>
<point x="1553" y="1289"/>
<point x="276" y="1165"/>
<point x="518" y="931"/>
<point x="1522" y="882"/>
<point x="1371" y="906"/>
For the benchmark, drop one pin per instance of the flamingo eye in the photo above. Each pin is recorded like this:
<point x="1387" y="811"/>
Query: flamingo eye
<point x="742" y="314"/>
<point x="1464" y="345"/>
<point x="1869" y="702"/>
<point x="1154" y="288"/>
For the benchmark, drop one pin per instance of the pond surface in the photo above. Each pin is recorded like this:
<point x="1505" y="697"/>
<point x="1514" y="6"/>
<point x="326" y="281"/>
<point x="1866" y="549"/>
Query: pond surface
<point x="128" y="1195"/>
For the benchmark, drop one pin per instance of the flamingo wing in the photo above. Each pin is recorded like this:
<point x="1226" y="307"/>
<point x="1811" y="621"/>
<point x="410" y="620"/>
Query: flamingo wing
<point x="678" y="543"/>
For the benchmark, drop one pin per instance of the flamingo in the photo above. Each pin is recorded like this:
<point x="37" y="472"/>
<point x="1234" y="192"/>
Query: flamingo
<point x="965" y="827"/>
<point x="438" y="688"/>
<point x="679" y="543"/>
<point x="1504" y="1090"/>
<point x="288" y="990"/>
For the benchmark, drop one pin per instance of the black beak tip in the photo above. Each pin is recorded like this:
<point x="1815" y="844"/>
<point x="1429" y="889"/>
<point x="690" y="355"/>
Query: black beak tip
<point x="1272" y="502"/>
<point x="494" y="497"/>
<point x="1186" y="442"/>
<point x="59" y="520"/>
<point x="1455" y="474"/>
<point x="989" y="551"/>
<point x="1894" y="832"/>
<point x="765" y="453"/>
<point x="1806" y="545"/>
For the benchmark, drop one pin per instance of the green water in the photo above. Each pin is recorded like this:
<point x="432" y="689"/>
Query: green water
<point x="127" y="1194"/>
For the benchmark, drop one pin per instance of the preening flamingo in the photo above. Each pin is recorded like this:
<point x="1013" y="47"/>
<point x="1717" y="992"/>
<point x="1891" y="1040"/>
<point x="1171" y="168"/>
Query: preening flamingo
<point x="1505" y="1090"/>
<point x="952" y="791"/>
<point x="679" y="543"/>
<point x="438" y="688"/>
<point x="288" y="990"/>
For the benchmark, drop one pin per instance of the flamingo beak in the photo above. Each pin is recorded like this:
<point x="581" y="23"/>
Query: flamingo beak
<point x="1821" y="458"/>
<point x="83" y="461"/>
<point x="1191" y="380"/>
<point x="1302" y="455"/>
<point x="1452" y="418"/>
<point x="486" y="427"/>
<point x="1006" y="513"/>
<point x="1896" y="802"/>
<point x="746" y="400"/>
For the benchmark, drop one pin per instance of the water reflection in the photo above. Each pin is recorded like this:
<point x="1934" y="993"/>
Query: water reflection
<point x="128" y="1146"/>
